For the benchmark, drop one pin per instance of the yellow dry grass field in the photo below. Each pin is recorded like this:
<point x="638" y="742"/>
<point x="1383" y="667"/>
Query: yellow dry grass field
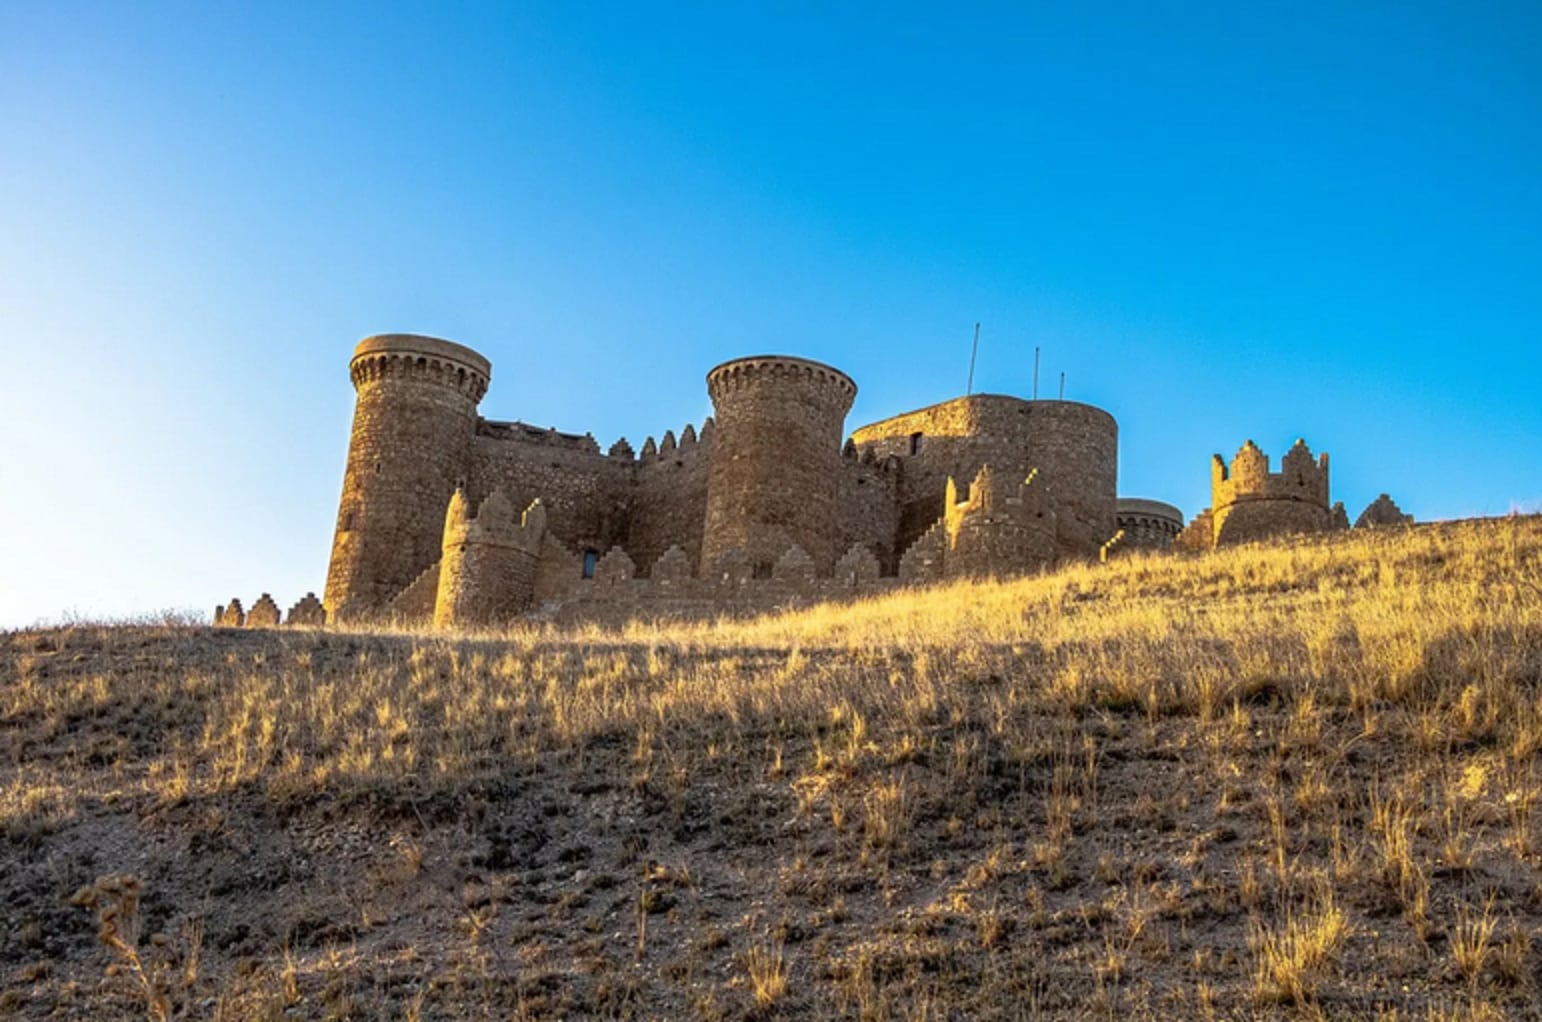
<point x="1297" y="780"/>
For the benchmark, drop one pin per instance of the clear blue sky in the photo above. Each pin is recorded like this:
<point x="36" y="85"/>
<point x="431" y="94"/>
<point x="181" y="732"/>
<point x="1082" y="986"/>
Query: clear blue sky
<point x="1221" y="221"/>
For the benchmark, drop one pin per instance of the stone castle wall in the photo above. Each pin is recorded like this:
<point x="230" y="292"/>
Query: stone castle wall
<point x="409" y="448"/>
<point x="450" y="517"/>
<point x="764" y="492"/>
<point x="470" y="521"/>
<point x="868" y="508"/>
<point x="584" y="490"/>
<point x="1074" y="446"/>
<point x="773" y="477"/>
<point x="1147" y="524"/>
<point x="669" y="503"/>
<point x="464" y="521"/>
<point x="1250" y="503"/>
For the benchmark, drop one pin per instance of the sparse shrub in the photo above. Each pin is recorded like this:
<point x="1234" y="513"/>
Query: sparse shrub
<point x="1290" y="957"/>
<point x="767" y="970"/>
<point x="115" y="900"/>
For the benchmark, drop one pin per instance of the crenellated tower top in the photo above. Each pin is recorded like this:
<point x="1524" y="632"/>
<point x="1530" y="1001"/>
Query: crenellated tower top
<point x="423" y="359"/>
<point x="1300" y="478"/>
<point x="759" y="369"/>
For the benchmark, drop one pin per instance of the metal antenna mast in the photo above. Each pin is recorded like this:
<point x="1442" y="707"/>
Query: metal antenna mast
<point x="973" y="353"/>
<point x="1062" y="386"/>
<point x="1035" y="372"/>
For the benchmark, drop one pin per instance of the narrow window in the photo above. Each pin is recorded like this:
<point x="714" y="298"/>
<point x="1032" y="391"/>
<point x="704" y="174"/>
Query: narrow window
<point x="915" y="443"/>
<point x="591" y="558"/>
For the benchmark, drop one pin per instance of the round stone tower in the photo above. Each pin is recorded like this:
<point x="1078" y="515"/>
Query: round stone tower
<point x="1076" y="449"/>
<point x="410" y="447"/>
<point x="771" y="482"/>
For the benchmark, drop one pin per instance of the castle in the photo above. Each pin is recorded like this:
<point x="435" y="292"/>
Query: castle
<point x="450" y="517"/>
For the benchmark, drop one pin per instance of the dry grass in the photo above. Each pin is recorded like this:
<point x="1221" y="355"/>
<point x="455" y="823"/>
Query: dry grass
<point x="1286" y="780"/>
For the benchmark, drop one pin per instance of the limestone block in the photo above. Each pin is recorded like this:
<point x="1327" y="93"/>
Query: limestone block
<point x="1199" y="534"/>
<point x="231" y="615"/>
<point x="923" y="561"/>
<point x="733" y="569"/>
<point x="672" y="567"/>
<point x="1382" y="513"/>
<point x="857" y="567"/>
<point x="794" y="566"/>
<point x="308" y="612"/>
<point x="533" y="522"/>
<point x="615" y="567"/>
<point x="264" y="613"/>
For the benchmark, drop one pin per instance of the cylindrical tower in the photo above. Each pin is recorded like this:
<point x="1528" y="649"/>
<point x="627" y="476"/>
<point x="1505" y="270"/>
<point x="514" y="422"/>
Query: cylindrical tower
<point x="410" y="447"/>
<point x="1148" y="524"/>
<point x="1076" y="450"/>
<point x="775" y="459"/>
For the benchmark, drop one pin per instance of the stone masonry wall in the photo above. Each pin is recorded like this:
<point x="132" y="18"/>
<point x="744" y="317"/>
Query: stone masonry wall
<point x="753" y="510"/>
<point x="867" y="506"/>
<point x="1074" y="447"/>
<point x="586" y="493"/>
<point x="1147" y="524"/>
<point x="1249" y="502"/>
<point x="775" y="458"/>
<point x="408" y="450"/>
<point x="669" y="502"/>
<point x="1266" y="519"/>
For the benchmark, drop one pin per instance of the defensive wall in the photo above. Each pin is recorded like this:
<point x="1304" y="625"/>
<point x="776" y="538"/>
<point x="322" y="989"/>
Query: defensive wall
<point x="1250" y="503"/>
<point x="765" y="479"/>
<point x="1074" y="447"/>
<point x="1147" y="524"/>
<point x="450" y="517"/>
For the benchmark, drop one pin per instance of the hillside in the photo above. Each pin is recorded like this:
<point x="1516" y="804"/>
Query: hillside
<point x="1283" y="781"/>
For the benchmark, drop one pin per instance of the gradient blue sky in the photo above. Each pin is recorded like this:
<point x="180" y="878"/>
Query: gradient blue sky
<point x="1221" y="221"/>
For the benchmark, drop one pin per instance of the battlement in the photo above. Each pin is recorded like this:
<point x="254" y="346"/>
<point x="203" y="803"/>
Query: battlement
<point x="1249" y="502"/>
<point x="758" y="369"/>
<point x="421" y="359"/>
<point x="770" y="499"/>
<point x="688" y="443"/>
<point x="1146" y="524"/>
<point x="1248" y="477"/>
<point x="496" y="522"/>
<point x="488" y="567"/>
<point x="1001" y="525"/>
<point x="517" y="432"/>
<point x="524" y="433"/>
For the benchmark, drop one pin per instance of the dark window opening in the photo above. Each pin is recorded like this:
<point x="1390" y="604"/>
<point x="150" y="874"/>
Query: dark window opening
<point x="762" y="569"/>
<point x="915" y="443"/>
<point x="348" y="522"/>
<point x="591" y="558"/>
